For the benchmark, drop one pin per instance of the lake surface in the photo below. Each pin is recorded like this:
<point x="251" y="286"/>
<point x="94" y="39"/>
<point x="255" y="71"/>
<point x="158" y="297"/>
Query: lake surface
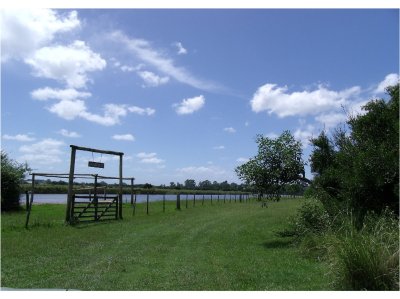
<point x="140" y="198"/>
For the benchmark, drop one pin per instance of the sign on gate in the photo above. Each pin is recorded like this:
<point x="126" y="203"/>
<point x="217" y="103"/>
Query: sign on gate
<point x="96" y="164"/>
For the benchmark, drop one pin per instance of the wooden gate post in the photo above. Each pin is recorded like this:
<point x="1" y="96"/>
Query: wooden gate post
<point x="68" y="213"/>
<point x="95" y="198"/>
<point x="120" y="186"/>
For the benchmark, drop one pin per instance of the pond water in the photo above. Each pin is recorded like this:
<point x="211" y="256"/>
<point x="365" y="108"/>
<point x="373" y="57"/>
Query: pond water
<point x="62" y="198"/>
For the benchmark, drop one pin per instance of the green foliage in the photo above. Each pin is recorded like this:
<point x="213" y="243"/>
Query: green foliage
<point x="360" y="170"/>
<point x="277" y="163"/>
<point x="367" y="259"/>
<point x="311" y="218"/>
<point x="12" y="174"/>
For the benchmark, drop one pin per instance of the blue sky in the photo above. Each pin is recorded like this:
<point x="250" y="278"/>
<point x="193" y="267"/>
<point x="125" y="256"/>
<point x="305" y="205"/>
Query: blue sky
<point x="183" y="93"/>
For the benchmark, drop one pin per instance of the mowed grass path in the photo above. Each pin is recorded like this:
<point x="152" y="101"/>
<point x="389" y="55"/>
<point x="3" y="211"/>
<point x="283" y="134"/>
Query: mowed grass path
<point x="229" y="246"/>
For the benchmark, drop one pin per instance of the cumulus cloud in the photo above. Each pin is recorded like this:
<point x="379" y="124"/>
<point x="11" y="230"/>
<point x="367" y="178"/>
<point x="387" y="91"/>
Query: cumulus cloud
<point x="152" y="80"/>
<point x="18" y="137"/>
<point x="143" y="50"/>
<point x="180" y="48"/>
<point x="277" y="100"/>
<point x="69" y="108"/>
<point x="331" y="120"/>
<point x="304" y="134"/>
<point x="69" y="134"/>
<point x="124" y="137"/>
<point x="230" y="130"/>
<point x="67" y="64"/>
<point x="47" y="151"/>
<point x="46" y="93"/>
<point x="188" y="106"/>
<point x="24" y="31"/>
<point x="149" y="158"/>
<point x="389" y="80"/>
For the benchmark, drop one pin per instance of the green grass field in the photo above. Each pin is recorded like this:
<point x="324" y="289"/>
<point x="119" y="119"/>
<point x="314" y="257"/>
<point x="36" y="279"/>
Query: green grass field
<point x="229" y="246"/>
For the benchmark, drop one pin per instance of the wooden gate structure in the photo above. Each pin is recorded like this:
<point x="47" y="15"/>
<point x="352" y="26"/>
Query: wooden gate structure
<point x="112" y="206"/>
<point x="87" y="204"/>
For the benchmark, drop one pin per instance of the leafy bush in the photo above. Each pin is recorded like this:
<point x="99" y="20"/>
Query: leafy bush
<point x="11" y="175"/>
<point x="311" y="218"/>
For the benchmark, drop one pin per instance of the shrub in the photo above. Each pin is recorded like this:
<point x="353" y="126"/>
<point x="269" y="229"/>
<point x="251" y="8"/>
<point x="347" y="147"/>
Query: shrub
<point x="367" y="259"/>
<point x="11" y="175"/>
<point x="311" y="218"/>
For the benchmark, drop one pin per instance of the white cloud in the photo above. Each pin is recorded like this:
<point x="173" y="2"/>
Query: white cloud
<point x="144" y="51"/>
<point x="304" y="135"/>
<point x="47" y="151"/>
<point x="275" y="99"/>
<point x="149" y="158"/>
<point x="112" y="114"/>
<point x="67" y="64"/>
<point x="141" y="111"/>
<point x="219" y="147"/>
<point x="18" y="137"/>
<point x="71" y="109"/>
<point x="389" y="80"/>
<point x="151" y="79"/>
<point x="46" y="93"/>
<point x="125" y="137"/>
<point x="69" y="134"/>
<point x="188" y="106"/>
<point x="181" y="49"/>
<point x="331" y="120"/>
<point x="24" y="31"/>
<point x="230" y="130"/>
<point x="242" y="160"/>
<point x="68" y="109"/>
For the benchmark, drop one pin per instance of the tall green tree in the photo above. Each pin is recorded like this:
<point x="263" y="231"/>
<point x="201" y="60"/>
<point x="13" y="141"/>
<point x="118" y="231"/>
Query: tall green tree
<point x="12" y="174"/>
<point x="277" y="163"/>
<point x="359" y="170"/>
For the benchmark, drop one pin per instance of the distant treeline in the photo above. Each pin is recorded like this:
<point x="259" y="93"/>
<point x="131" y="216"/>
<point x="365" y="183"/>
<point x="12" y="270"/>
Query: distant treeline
<point x="188" y="187"/>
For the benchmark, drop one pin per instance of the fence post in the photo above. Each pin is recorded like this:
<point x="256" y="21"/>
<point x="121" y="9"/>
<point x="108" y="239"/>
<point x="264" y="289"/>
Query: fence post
<point x="211" y="199"/>
<point x="27" y="200"/>
<point x="134" y="205"/>
<point x="147" y="204"/>
<point x="202" y="202"/>
<point x="163" y="202"/>
<point x="194" y="199"/>
<point x="178" y="201"/>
